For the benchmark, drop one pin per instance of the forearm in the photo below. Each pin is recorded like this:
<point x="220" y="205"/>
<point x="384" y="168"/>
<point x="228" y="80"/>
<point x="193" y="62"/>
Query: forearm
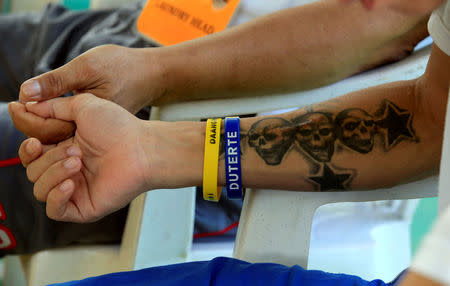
<point x="372" y="138"/>
<point x="299" y="48"/>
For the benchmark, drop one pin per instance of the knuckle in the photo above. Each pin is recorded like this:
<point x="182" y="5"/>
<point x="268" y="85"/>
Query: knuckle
<point x="54" y="155"/>
<point x="31" y="174"/>
<point x="53" y="214"/>
<point x="55" y="83"/>
<point x="91" y="65"/>
<point x="53" y="204"/>
<point x="37" y="193"/>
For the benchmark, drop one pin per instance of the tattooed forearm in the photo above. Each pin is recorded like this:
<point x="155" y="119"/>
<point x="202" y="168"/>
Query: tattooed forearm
<point x="316" y="135"/>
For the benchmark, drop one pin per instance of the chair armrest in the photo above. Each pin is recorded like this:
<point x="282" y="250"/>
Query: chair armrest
<point x="283" y="236"/>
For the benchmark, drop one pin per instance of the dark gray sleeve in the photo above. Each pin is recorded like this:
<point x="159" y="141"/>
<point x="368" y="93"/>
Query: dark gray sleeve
<point x="34" y="43"/>
<point x="15" y="65"/>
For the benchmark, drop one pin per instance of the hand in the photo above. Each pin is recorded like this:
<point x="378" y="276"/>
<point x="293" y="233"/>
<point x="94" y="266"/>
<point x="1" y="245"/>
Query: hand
<point x="98" y="171"/>
<point x="126" y="76"/>
<point x="47" y="130"/>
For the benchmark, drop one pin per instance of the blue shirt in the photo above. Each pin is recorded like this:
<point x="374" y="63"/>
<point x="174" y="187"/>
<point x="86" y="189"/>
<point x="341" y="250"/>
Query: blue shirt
<point x="223" y="271"/>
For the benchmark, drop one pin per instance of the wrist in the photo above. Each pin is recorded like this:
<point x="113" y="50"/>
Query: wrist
<point x="155" y="74"/>
<point x="163" y="69"/>
<point x="173" y="154"/>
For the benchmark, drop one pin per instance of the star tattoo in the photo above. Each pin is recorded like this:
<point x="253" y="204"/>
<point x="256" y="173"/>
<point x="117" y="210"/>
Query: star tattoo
<point x="330" y="180"/>
<point x="398" y="125"/>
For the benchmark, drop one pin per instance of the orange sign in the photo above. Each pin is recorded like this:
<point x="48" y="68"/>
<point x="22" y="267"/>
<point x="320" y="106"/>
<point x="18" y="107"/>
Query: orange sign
<point x="168" y="22"/>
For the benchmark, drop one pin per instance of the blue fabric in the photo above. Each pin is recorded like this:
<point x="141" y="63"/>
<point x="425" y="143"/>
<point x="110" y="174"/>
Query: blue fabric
<point x="225" y="272"/>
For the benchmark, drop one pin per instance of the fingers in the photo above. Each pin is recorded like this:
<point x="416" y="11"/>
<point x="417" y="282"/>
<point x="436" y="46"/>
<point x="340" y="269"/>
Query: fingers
<point x="53" y="169"/>
<point x="29" y="151"/>
<point x="60" y="207"/>
<point x="54" y="83"/>
<point x="40" y="165"/>
<point x="47" y="130"/>
<point x="55" y="175"/>
<point x="58" y="200"/>
<point x="65" y="108"/>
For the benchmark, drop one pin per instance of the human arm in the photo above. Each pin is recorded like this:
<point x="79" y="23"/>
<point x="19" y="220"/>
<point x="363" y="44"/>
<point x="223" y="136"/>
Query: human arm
<point x="297" y="48"/>
<point x="285" y="51"/>
<point x="406" y="145"/>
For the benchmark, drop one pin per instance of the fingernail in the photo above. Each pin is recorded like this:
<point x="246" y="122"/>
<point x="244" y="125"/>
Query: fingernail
<point x="70" y="163"/>
<point x="66" y="186"/>
<point x="32" y="147"/>
<point x="74" y="151"/>
<point x="30" y="104"/>
<point x="12" y="105"/>
<point x="32" y="89"/>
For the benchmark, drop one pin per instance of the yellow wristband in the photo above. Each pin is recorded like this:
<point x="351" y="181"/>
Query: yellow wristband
<point x="211" y="163"/>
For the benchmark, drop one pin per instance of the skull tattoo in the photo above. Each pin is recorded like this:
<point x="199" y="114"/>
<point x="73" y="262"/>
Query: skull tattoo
<point x="356" y="129"/>
<point x="271" y="138"/>
<point x="315" y="135"/>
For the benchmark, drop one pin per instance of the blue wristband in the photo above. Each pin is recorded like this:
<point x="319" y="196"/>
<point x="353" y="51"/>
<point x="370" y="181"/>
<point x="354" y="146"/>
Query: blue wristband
<point x="233" y="158"/>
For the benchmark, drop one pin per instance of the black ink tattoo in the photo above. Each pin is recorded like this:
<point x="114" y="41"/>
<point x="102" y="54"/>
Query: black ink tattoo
<point x="356" y="129"/>
<point x="397" y="125"/>
<point x="316" y="135"/>
<point x="271" y="138"/>
<point x="331" y="181"/>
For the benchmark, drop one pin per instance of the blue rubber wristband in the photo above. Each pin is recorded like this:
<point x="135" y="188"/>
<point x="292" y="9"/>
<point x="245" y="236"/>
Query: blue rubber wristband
<point x="233" y="158"/>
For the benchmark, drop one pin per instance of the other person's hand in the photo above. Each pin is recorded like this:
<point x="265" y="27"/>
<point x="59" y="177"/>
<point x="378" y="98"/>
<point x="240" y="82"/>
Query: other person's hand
<point x="123" y="75"/>
<point x="47" y="130"/>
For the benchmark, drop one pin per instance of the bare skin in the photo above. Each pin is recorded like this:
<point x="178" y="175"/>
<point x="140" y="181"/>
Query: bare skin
<point x="286" y="51"/>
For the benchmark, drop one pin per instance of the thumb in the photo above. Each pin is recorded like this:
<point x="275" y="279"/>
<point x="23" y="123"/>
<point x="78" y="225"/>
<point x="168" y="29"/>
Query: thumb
<point x="53" y="83"/>
<point x="63" y="108"/>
